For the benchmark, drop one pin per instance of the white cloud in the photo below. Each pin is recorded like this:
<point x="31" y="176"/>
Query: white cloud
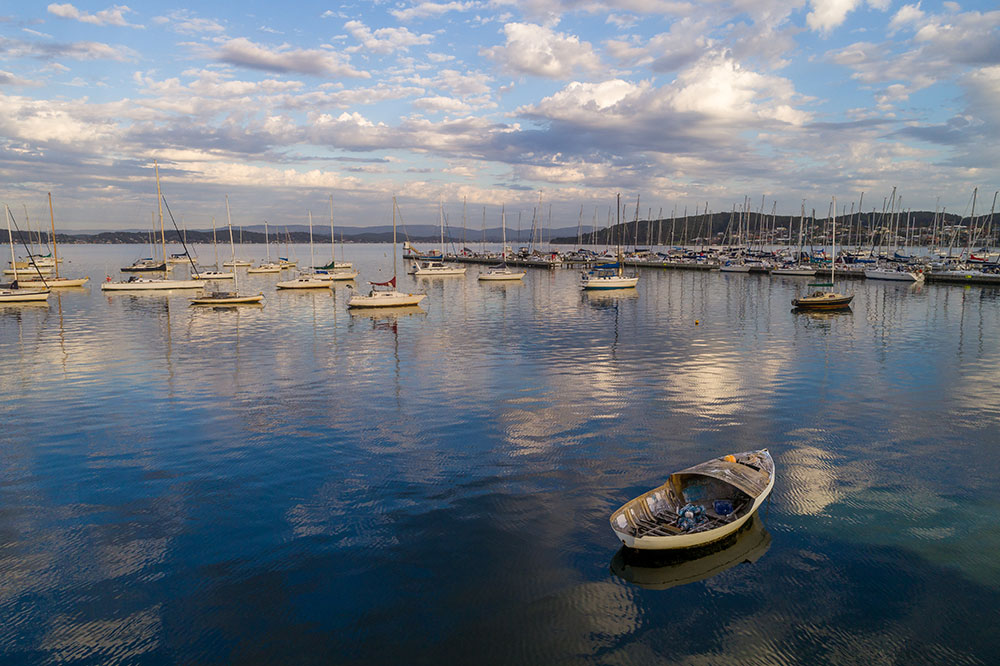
<point x="715" y="89"/>
<point x="907" y="15"/>
<point x="829" y="14"/>
<point x="239" y="174"/>
<point x="74" y="50"/>
<point x="539" y="51"/>
<point x="284" y="58"/>
<point x="383" y="40"/>
<point x="36" y="33"/>
<point x="114" y="15"/>
<point x="345" y="99"/>
<point x="424" y="10"/>
<point x="186" y="23"/>
<point x="442" y="104"/>
<point x="667" y="51"/>
<point x="54" y="123"/>
<point x="983" y="93"/>
<point x="621" y="20"/>
<point x="10" y="79"/>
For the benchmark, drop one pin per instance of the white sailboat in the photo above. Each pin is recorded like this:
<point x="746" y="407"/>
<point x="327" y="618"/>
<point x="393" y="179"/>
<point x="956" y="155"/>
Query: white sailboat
<point x="897" y="274"/>
<point x="215" y="274"/>
<point x="386" y="298"/>
<point x="238" y="263"/>
<point x="434" y="267"/>
<point x="335" y="270"/>
<point x="13" y="293"/>
<point x="228" y="297"/>
<point x="307" y="280"/>
<point x="147" y="284"/>
<point x="285" y="262"/>
<point x="501" y="272"/>
<point x="267" y="266"/>
<point x="826" y="300"/>
<point x="610" y="276"/>
<point x="56" y="281"/>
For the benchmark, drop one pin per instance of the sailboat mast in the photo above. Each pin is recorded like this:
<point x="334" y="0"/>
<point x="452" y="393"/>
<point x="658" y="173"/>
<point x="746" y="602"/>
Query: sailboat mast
<point x="55" y="250"/>
<point x="10" y="239"/>
<point x="802" y="223"/>
<point x="312" y="259"/>
<point x="215" y="245"/>
<point x="232" y="247"/>
<point x="31" y="241"/>
<point x="833" y="257"/>
<point x="618" y="209"/>
<point x="503" y="233"/>
<point x="393" y="242"/>
<point x="441" y="220"/>
<point x="333" y="239"/>
<point x="267" y="245"/>
<point x="159" y="203"/>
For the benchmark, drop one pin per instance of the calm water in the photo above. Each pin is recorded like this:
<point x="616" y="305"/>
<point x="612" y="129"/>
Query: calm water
<point x="301" y="484"/>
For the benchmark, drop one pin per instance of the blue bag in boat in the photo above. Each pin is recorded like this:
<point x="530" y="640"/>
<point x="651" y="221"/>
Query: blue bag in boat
<point x="723" y="507"/>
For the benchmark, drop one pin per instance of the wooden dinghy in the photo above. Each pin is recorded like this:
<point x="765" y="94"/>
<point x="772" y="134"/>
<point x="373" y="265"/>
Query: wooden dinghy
<point x="697" y="505"/>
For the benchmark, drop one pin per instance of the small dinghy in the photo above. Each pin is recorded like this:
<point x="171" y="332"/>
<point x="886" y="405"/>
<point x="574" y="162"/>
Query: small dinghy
<point x="697" y="505"/>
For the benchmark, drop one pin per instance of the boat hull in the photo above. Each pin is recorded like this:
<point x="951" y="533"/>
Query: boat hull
<point x="54" y="283"/>
<point x="610" y="283"/>
<point x="228" y="300"/>
<point x="341" y="275"/>
<point x="214" y="275"/>
<point x="23" y="296"/>
<point x="808" y="303"/>
<point x="795" y="272"/>
<point x="385" y="300"/>
<point x="502" y="277"/>
<point x="304" y="284"/>
<point x="436" y="268"/>
<point x="152" y="268"/>
<point x="148" y="285"/>
<point x="695" y="539"/>
<point x="896" y="276"/>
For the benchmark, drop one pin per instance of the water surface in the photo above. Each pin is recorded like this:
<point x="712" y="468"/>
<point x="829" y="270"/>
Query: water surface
<point x="298" y="483"/>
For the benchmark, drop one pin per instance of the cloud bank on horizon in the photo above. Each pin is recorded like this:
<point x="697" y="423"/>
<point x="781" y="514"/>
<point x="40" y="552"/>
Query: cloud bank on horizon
<point x="494" y="101"/>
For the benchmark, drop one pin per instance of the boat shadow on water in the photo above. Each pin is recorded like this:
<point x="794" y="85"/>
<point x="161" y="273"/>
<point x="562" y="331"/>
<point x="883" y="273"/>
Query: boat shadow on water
<point x="661" y="570"/>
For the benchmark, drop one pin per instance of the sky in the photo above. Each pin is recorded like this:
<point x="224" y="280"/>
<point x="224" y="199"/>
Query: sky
<point x="483" y="103"/>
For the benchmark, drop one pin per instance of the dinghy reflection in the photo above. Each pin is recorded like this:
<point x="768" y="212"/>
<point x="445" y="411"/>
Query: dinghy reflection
<point x="661" y="570"/>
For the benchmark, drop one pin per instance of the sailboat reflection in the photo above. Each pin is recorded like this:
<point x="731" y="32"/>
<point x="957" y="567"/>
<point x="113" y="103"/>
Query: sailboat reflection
<point x="383" y="314"/>
<point x="608" y="298"/>
<point x="661" y="570"/>
<point x="822" y="315"/>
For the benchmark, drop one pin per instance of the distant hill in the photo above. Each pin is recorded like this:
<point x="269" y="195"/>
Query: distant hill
<point x="714" y="226"/>
<point x="423" y="234"/>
